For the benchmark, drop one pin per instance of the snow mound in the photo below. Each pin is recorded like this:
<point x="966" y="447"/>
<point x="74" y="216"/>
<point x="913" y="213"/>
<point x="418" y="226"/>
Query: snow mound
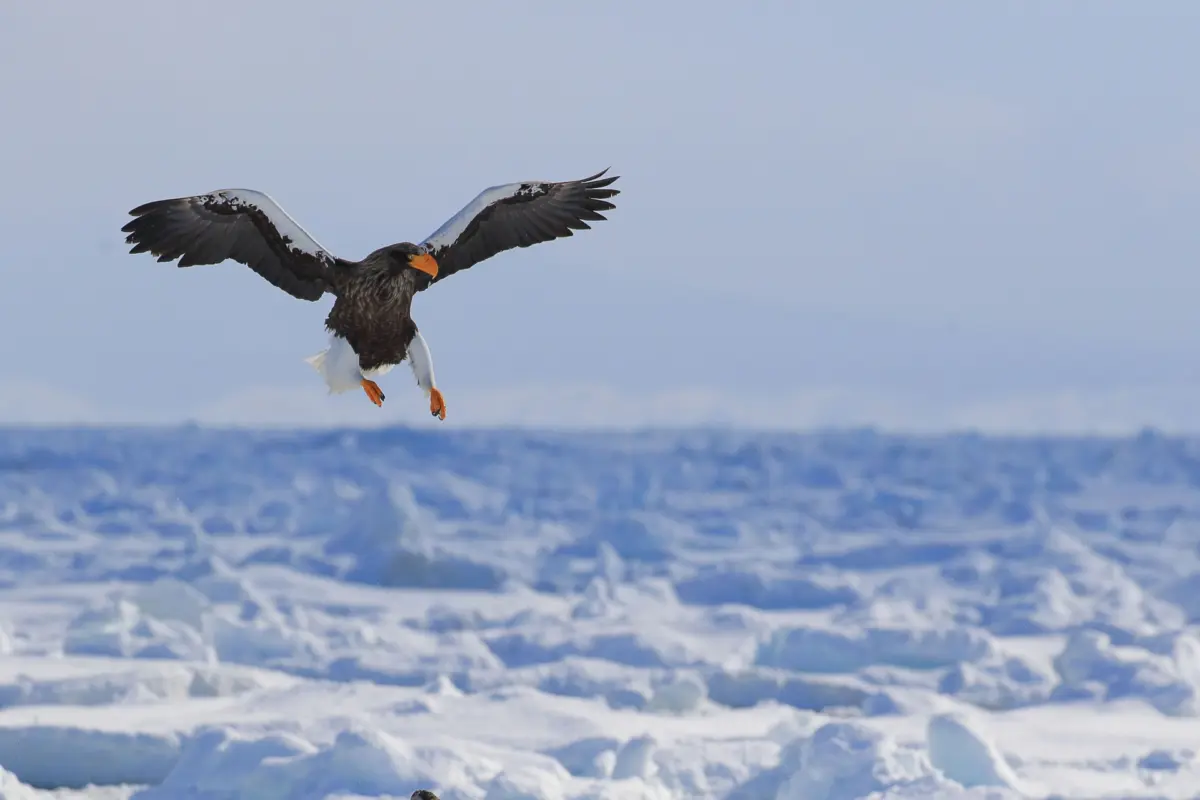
<point x="1091" y="666"/>
<point x="527" y="783"/>
<point x="762" y="589"/>
<point x="123" y="630"/>
<point x="11" y="788"/>
<point x="845" y="761"/>
<point x="940" y="792"/>
<point x="35" y="754"/>
<point x="812" y="649"/>
<point x="172" y="619"/>
<point x="749" y="687"/>
<point x="635" y="759"/>
<point x="1055" y="581"/>
<point x="964" y="755"/>
<point x="999" y="682"/>
<point x="111" y="684"/>
<point x="223" y="763"/>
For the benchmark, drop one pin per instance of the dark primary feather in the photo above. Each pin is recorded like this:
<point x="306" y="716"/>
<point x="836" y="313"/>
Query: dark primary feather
<point x="534" y="212"/>
<point x="209" y="229"/>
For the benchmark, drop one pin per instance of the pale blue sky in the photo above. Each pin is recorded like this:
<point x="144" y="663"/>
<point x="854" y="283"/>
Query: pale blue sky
<point x="918" y="214"/>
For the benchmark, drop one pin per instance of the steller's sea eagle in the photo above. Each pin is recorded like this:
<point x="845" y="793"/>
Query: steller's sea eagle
<point x="370" y="326"/>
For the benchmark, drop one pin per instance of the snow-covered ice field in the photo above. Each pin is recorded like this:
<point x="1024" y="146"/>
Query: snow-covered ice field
<point x="190" y="613"/>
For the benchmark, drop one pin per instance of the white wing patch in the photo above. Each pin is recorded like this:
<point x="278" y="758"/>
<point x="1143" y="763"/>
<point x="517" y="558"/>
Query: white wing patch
<point x="338" y="365"/>
<point x="453" y="228"/>
<point x="293" y="233"/>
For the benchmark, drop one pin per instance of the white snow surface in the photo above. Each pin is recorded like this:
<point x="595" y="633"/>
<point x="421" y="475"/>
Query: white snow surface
<point x="507" y="615"/>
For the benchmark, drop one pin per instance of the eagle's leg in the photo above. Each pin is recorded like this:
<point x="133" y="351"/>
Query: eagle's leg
<point x="373" y="391"/>
<point x="421" y="361"/>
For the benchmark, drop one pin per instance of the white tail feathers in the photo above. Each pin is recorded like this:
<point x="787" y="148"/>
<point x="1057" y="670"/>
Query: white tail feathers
<point x="338" y="365"/>
<point x="318" y="363"/>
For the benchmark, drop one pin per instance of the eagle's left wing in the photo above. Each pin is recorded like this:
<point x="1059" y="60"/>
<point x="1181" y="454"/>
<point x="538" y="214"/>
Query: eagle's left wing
<point x="517" y="215"/>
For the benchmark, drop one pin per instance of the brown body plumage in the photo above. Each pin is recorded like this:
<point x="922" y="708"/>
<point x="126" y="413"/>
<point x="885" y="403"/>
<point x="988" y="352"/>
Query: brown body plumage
<point x="373" y="309"/>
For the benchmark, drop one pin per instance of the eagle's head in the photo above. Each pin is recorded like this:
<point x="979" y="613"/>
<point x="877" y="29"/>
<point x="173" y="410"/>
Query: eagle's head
<point x="407" y="255"/>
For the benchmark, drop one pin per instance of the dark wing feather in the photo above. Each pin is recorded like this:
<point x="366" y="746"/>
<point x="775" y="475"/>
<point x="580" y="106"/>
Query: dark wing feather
<point x="517" y="215"/>
<point x="239" y="224"/>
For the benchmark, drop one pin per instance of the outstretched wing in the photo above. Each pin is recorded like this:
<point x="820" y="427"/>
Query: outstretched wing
<point x="239" y="224"/>
<point x="517" y="215"/>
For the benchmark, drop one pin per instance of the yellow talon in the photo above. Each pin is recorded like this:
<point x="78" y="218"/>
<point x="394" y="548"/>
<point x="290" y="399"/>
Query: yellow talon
<point x="373" y="391"/>
<point x="437" y="404"/>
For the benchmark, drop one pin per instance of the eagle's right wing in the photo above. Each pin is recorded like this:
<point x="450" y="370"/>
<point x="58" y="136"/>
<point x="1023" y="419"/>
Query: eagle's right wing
<point x="239" y="224"/>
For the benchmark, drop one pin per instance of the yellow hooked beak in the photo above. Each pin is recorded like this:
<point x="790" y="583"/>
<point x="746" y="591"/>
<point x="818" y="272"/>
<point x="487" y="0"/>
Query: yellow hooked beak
<point x="426" y="263"/>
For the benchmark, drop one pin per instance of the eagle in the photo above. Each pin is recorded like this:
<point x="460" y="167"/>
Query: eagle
<point x="370" y="325"/>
